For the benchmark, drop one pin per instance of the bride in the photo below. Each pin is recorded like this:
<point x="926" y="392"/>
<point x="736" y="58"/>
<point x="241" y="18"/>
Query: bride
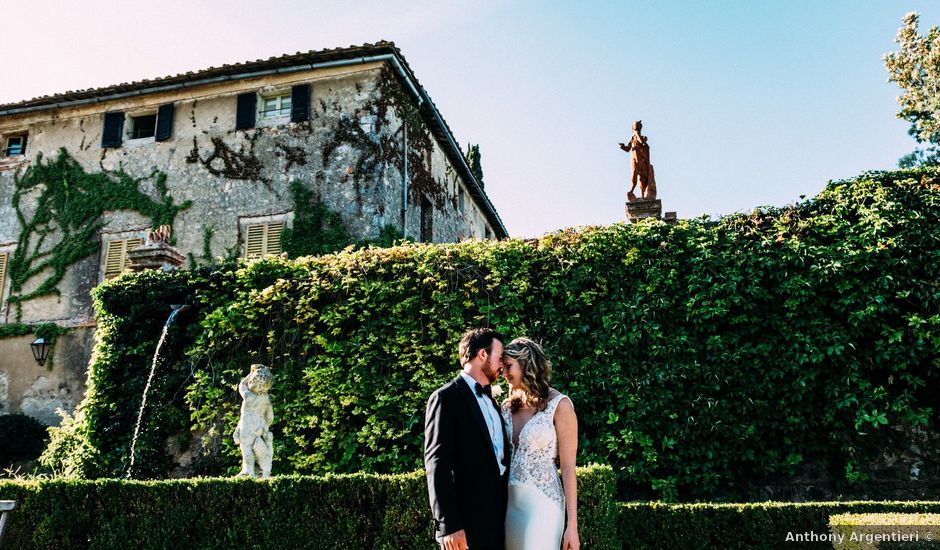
<point x="544" y="432"/>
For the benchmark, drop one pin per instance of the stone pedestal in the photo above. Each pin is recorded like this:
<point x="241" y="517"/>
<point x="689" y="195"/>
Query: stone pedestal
<point x="155" y="255"/>
<point x="640" y="209"/>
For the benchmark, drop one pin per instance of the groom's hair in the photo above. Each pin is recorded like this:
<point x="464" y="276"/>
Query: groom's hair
<point x="476" y="339"/>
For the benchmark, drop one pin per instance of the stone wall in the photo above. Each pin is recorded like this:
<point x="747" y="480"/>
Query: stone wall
<point x="232" y="177"/>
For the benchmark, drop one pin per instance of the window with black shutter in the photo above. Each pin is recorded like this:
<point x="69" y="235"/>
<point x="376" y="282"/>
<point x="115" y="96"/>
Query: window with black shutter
<point x="113" y="129"/>
<point x="300" y="103"/>
<point x="245" y="110"/>
<point x="164" y="122"/>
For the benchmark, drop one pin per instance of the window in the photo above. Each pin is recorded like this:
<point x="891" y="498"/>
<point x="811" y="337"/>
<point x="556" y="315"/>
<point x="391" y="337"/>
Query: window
<point x="3" y="271"/>
<point x="460" y="200"/>
<point x="262" y="239"/>
<point x="427" y="221"/>
<point x="275" y="105"/>
<point x="115" y="258"/>
<point x="142" y="126"/>
<point x="14" y="145"/>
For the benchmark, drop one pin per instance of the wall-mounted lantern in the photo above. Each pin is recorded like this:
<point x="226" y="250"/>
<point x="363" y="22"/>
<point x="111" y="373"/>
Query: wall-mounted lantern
<point x="40" y="350"/>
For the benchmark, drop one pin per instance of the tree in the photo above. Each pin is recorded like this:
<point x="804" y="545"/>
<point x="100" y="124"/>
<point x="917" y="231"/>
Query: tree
<point x="916" y="70"/>
<point x="473" y="161"/>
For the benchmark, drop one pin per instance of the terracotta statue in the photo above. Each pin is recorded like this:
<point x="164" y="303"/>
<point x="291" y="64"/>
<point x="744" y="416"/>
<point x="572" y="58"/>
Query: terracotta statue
<point x="640" y="162"/>
<point x="253" y="433"/>
<point x="159" y="235"/>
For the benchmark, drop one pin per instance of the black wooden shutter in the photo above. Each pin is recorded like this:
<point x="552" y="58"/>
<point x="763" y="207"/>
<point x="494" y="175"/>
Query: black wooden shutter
<point x="164" y="122"/>
<point x="113" y="130"/>
<point x="300" y="103"/>
<point x="245" y="111"/>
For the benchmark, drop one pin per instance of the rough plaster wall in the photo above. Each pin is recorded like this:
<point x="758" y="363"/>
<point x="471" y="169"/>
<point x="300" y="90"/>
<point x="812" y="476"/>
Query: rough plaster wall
<point x="37" y="391"/>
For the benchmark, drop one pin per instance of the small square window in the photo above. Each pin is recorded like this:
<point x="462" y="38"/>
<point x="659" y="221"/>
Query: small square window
<point x="14" y="145"/>
<point x="143" y="126"/>
<point x="275" y="105"/>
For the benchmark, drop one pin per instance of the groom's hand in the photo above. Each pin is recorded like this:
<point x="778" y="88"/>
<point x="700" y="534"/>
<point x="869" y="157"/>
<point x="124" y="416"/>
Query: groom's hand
<point x="455" y="541"/>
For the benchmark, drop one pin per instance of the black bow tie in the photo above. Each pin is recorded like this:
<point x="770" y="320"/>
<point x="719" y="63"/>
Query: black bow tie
<point x="484" y="390"/>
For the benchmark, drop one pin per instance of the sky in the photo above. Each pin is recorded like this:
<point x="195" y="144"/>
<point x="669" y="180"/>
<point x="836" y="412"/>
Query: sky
<point x="744" y="103"/>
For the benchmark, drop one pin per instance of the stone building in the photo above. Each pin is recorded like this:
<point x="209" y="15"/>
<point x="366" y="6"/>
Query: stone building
<point x="215" y="154"/>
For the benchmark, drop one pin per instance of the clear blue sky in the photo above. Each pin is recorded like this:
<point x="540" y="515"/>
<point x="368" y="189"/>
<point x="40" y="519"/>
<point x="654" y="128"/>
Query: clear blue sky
<point x="745" y="103"/>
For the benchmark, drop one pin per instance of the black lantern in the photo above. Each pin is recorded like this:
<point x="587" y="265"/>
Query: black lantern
<point x="40" y="350"/>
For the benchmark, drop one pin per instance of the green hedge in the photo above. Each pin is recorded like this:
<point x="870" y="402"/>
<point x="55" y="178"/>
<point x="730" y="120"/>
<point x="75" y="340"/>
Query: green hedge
<point x="746" y="526"/>
<point x="338" y="511"/>
<point x="706" y="360"/>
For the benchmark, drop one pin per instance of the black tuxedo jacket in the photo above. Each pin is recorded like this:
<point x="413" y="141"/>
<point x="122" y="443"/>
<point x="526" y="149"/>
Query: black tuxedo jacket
<point x="464" y="484"/>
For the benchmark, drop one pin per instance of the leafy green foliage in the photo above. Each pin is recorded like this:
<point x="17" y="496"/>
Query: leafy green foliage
<point x="705" y="359"/>
<point x="58" y="202"/>
<point x="23" y="439"/>
<point x="346" y="511"/>
<point x="916" y="70"/>
<point x="319" y="230"/>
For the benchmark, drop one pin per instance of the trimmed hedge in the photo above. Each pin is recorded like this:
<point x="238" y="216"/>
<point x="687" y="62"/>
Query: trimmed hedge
<point x="336" y="511"/>
<point x="706" y="360"/>
<point x="753" y="526"/>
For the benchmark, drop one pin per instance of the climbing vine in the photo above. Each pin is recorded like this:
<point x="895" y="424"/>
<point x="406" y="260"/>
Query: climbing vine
<point x="236" y="165"/>
<point x="378" y="148"/>
<point x="59" y="207"/>
<point x="319" y="230"/>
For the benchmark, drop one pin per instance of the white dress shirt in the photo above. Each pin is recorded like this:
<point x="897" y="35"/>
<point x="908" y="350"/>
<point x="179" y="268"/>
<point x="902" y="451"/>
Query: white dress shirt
<point x="493" y="420"/>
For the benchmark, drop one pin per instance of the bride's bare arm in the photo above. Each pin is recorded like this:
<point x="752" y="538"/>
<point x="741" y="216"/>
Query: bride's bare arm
<point x="566" y="428"/>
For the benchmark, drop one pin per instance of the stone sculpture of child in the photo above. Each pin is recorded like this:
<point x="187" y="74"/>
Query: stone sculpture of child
<point x="253" y="434"/>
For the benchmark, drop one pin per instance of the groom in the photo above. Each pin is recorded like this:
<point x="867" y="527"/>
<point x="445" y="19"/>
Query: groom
<point x="466" y="450"/>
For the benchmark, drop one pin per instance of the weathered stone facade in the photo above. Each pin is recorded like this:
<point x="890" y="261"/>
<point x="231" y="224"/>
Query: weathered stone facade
<point x="368" y="120"/>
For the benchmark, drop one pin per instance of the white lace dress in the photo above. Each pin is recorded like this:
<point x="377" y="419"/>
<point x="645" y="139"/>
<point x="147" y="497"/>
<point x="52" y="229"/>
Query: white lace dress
<point x="535" y="516"/>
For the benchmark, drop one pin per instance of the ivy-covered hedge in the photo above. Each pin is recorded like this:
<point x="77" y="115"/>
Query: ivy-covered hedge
<point x="336" y="511"/>
<point x="756" y="526"/>
<point x="706" y="359"/>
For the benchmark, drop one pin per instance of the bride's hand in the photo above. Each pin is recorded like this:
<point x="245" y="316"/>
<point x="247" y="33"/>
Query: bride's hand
<point x="570" y="540"/>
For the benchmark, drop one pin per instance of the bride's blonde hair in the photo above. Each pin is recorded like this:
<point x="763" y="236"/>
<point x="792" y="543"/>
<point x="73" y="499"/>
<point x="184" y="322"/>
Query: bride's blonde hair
<point x="536" y="374"/>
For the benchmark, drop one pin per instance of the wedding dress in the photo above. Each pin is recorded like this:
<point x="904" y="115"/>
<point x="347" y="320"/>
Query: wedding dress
<point x="535" y="516"/>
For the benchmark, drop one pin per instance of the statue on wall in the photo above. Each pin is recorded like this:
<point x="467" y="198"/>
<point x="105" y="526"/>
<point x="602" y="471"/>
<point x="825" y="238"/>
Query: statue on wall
<point x="159" y="235"/>
<point x="640" y="162"/>
<point x="253" y="433"/>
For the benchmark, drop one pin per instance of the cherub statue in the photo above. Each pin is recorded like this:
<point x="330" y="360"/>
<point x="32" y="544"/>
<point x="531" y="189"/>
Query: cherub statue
<point x="640" y="162"/>
<point x="253" y="434"/>
<point x="161" y="234"/>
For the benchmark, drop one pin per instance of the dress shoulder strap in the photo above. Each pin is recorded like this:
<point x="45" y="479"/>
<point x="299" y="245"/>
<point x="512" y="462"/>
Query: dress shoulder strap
<point x="553" y="404"/>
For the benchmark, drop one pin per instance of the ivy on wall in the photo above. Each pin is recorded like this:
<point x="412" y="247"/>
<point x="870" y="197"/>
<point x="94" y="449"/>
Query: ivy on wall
<point x="379" y="148"/>
<point x="59" y="206"/>
<point x="319" y="230"/>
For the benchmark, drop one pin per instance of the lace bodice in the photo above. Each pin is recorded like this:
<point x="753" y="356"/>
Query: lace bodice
<point x="533" y="461"/>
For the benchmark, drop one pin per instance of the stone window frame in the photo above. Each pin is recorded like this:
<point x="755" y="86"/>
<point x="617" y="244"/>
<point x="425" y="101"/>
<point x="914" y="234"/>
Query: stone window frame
<point x="129" y="117"/>
<point x="244" y="221"/>
<point x="107" y="238"/>
<point x="6" y="254"/>
<point x="280" y="93"/>
<point x="13" y="134"/>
